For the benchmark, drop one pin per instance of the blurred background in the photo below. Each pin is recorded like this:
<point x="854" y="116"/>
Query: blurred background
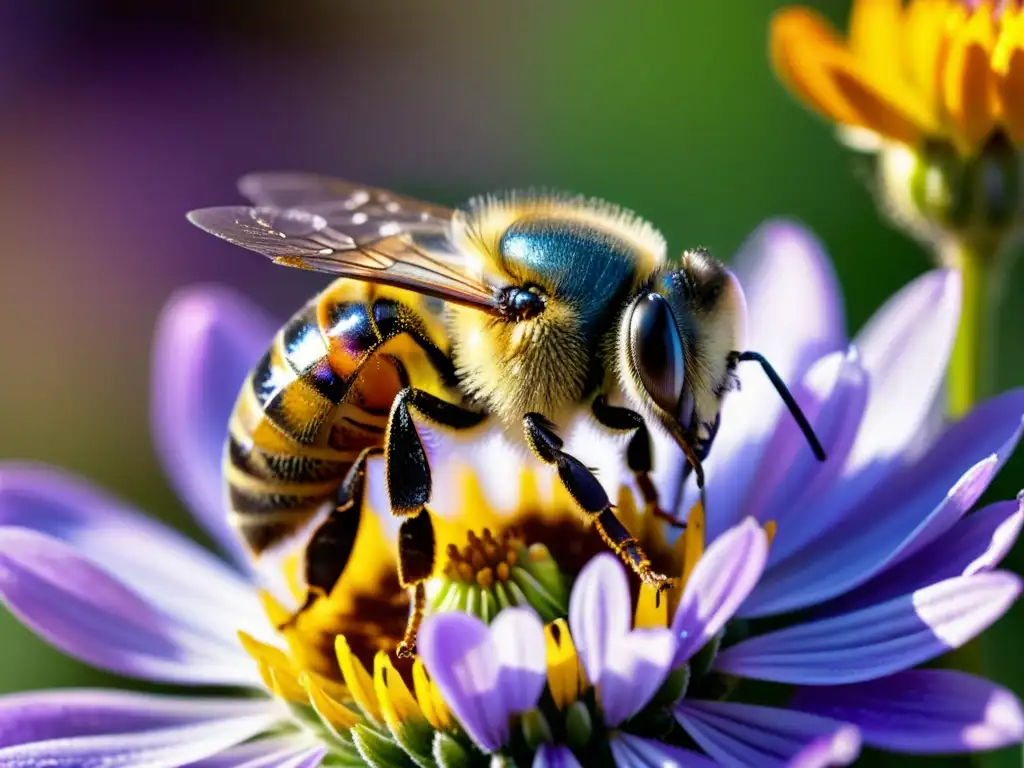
<point x="117" y="117"/>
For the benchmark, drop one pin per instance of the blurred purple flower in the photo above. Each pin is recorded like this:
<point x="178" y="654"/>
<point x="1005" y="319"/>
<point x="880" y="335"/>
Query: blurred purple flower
<point x="875" y="547"/>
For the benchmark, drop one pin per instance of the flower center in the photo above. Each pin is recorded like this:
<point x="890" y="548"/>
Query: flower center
<point x="492" y="572"/>
<point x="484" y="558"/>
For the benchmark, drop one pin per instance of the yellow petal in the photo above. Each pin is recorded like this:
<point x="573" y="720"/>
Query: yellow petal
<point x="358" y="680"/>
<point x="769" y="530"/>
<point x="276" y="612"/>
<point x="396" y="702"/>
<point x="1008" y="66"/>
<point x="924" y="48"/>
<point x="566" y="679"/>
<point x="429" y="697"/>
<point x="691" y="543"/>
<point x="819" y="68"/>
<point x="876" y="28"/>
<point x="275" y="668"/>
<point x="651" y="608"/>
<point x="283" y="683"/>
<point x="968" y="84"/>
<point x="338" y="715"/>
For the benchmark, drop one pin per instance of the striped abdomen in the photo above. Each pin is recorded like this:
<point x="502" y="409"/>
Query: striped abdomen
<point x="320" y="394"/>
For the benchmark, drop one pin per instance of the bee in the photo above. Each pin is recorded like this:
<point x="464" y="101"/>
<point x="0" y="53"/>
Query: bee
<point x="552" y="305"/>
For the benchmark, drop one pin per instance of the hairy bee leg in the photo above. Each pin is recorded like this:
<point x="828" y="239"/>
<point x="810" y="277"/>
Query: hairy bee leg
<point x="408" y="483"/>
<point x="638" y="452"/>
<point x="585" y="489"/>
<point x="331" y="544"/>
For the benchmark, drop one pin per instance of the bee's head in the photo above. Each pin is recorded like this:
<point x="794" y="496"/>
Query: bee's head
<point x="676" y="341"/>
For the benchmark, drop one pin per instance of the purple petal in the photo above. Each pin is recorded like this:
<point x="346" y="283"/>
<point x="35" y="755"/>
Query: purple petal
<point x="975" y="544"/>
<point x="719" y="584"/>
<point x="160" y="748"/>
<point x="633" y="672"/>
<point x="794" y="316"/>
<point x="46" y="715"/>
<point x="519" y="642"/>
<point x="878" y="640"/>
<point x="253" y="754"/>
<point x="794" y="303"/>
<point x="600" y="612"/>
<point x="905" y="348"/>
<point x="555" y="756"/>
<point x="207" y="341"/>
<point x="167" y="569"/>
<point x="626" y="667"/>
<point x="307" y="758"/>
<point x="744" y="734"/>
<point x="923" y="711"/>
<point x="90" y="615"/>
<point x="832" y="395"/>
<point x="840" y="748"/>
<point x="460" y="655"/>
<point x="920" y="501"/>
<point x="631" y="751"/>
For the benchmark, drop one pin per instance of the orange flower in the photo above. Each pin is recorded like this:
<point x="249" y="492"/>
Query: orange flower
<point x="909" y="72"/>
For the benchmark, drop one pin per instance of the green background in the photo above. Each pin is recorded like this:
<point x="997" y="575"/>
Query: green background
<point x="118" y="117"/>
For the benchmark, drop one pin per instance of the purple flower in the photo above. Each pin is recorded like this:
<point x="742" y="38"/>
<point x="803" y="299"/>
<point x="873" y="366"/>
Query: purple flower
<point x="488" y="675"/>
<point x="878" y="550"/>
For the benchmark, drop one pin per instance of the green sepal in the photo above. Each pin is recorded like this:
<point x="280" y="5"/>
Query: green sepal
<point x="579" y="726"/>
<point x="674" y="687"/>
<point x="538" y="596"/>
<point x="535" y="728"/>
<point x="449" y="753"/>
<point x="377" y="750"/>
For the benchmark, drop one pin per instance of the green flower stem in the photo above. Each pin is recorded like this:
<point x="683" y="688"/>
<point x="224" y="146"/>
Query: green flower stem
<point x="972" y="367"/>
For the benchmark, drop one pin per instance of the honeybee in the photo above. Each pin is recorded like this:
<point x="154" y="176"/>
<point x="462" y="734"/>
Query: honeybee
<point x="551" y="305"/>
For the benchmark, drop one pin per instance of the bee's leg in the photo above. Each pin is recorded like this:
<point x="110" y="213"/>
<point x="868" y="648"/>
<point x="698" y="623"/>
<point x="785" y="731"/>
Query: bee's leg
<point x="638" y="452"/>
<point x="588" y="493"/>
<point x="331" y="544"/>
<point x="408" y="482"/>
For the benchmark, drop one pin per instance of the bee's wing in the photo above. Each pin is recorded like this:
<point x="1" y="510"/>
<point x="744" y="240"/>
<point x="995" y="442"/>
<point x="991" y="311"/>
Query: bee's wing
<point x="289" y="189"/>
<point x="366" y="235"/>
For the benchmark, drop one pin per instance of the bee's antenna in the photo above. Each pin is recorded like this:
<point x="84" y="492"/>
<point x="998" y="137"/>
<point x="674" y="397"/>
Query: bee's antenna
<point x="787" y="398"/>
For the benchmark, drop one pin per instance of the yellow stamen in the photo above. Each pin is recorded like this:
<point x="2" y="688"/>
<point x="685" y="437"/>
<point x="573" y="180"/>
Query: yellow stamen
<point x="396" y="702"/>
<point x="566" y="678"/>
<point x="358" y="680"/>
<point x="651" y="608"/>
<point x="429" y="698"/>
<point x="691" y="543"/>
<point x="769" y="530"/>
<point x="340" y="717"/>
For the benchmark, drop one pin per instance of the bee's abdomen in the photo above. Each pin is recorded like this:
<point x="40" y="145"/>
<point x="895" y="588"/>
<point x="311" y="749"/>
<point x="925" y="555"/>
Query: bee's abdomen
<point x="295" y="430"/>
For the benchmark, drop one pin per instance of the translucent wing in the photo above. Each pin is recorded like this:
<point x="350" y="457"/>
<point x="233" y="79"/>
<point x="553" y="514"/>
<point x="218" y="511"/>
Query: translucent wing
<point x="285" y="189"/>
<point x="366" y="235"/>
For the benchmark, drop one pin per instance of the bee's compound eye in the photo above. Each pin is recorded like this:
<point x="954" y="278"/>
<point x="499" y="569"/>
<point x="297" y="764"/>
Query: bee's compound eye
<point x="657" y="351"/>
